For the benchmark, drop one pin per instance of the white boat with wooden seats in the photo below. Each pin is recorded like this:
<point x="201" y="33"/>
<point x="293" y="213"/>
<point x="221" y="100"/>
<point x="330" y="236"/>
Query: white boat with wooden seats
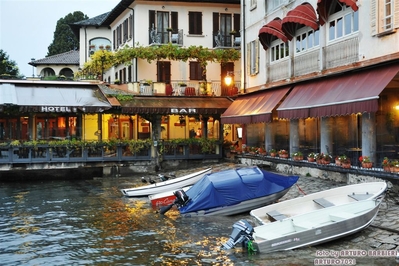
<point x="306" y="229"/>
<point x="319" y="200"/>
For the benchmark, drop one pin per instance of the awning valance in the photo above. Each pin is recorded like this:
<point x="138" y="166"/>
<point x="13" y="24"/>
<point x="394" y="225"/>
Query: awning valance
<point x="302" y="15"/>
<point x="270" y="32"/>
<point x="175" y="105"/>
<point x="347" y="94"/>
<point x="254" y="108"/>
<point x="30" y="97"/>
<point x="323" y="7"/>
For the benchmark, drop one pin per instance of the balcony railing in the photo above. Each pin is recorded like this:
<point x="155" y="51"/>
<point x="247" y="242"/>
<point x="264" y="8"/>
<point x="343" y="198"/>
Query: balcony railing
<point x="119" y="153"/>
<point x="226" y="40"/>
<point x="165" y="37"/>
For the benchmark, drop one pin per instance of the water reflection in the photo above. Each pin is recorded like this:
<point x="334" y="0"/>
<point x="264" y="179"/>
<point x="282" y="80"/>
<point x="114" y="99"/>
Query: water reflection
<point x="89" y="222"/>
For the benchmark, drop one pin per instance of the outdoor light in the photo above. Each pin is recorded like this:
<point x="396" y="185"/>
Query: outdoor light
<point x="229" y="78"/>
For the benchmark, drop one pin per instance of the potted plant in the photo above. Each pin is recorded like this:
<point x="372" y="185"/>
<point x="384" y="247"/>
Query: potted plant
<point x="345" y="161"/>
<point x="233" y="32"/>
<point x="394" y="166"/>
<point x="261" y="151"/>
<point x="297" y="156"/>
<point x="386" y="164"/>
<point x="273" y="152"/>
<point x="169" y="29"/>
<point x="311" y="157"/>
<point x="365" y="161"/>
<point x="108" y="47"/>
<point x="283" y="154"/>
<point x="326" y="159"/>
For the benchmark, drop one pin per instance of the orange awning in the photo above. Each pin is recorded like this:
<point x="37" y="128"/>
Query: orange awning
<point x="354" y="92"/>
<point x="254" y="108"/>
<point x="270" y="32"/>
<point x="323" y="7"/>
<point x="302" y="15"/>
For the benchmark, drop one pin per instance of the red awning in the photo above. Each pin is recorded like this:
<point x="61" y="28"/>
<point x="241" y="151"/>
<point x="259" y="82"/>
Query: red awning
<point x="350" y="93"/>
<point x="323" y="7"/>
<point x="254" y="108"/>
<point x="302" y="15"/>
<point x="270" y="32"/>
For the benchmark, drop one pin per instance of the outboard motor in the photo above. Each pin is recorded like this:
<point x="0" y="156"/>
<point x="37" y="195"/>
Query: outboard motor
<point x="181" y="198"/>
<point x="242" y="233"/>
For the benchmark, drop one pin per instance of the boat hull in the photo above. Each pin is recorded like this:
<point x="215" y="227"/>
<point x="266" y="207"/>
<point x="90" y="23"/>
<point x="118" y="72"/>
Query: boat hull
<point x="336" y="196"/>
<point x="266" y="241"/>
<point x="169" y="185"/>
<point x="163" y="199"/>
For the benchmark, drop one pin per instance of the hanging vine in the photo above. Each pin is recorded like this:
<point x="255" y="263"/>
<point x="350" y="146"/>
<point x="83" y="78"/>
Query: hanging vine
<point x="157" y="52"/>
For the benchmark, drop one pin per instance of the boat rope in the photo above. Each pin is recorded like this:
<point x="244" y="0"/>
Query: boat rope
<point x="300" y="189"/>
<point x="250" y="247"/>
<point x="385" y="228"/>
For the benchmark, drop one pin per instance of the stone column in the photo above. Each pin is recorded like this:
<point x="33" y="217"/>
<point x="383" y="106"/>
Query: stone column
<point x="294" y="136"/>
<point x="369" y="138"/>
<point x="326" y="138"/>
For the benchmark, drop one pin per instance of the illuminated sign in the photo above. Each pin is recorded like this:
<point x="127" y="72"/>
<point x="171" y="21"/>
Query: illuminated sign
<point x="183" y="111"/>
<point x="57" y="109"/>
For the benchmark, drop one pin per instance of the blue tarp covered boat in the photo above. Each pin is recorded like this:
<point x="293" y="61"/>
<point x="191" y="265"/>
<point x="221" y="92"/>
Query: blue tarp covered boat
<point x="234" y="191"/>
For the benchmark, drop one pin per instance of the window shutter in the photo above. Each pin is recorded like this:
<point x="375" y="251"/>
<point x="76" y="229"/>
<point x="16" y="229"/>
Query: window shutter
<point x="237" y="24"/>
<point x="249" y="58"/>
<point x="215" y="19"/>
<point x="373" y="18"/>
<point x="151" y="21"/>
<point x="257" y="56"/>
<point x="174" y="22"/>
<point x="396" y="14"/>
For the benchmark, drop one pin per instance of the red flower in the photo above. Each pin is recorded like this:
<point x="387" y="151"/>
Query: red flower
<point x="361" y="159"/>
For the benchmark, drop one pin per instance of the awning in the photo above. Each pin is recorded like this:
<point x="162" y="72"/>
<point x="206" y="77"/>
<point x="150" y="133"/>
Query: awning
<point x="175" y="105"/>
<point x="53" y="98"/>
<point x="302" y="15"/>
<point x="270" y="32"/>
<point x="254" y="108"/>
<point x="350" y="93"/>
<point x="323" y="7"/>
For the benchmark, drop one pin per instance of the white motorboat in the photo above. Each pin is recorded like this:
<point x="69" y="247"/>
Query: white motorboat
<point x="168" y="185"/>
<point x="318" y="200"/>
<point x="307" y="229"/>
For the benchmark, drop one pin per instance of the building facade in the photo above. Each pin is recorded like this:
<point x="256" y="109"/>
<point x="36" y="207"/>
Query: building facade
<point x="321" y="76"/>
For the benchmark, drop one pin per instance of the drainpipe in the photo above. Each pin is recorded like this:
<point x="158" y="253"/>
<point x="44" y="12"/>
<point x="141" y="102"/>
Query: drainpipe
<point x="243" y="45"/>
<point x="134" y="44"/>
<point x="86" y="52"/>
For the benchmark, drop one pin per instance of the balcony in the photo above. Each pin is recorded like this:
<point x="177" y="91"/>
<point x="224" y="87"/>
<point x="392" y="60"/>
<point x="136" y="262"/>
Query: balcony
<point x="166" y="36"/>
<point x="226" y="40"/>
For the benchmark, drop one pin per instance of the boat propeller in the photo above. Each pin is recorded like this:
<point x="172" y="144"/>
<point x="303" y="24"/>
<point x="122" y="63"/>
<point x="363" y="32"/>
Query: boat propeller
<point x="181" y="200"/>
<point x="242" y="233"/>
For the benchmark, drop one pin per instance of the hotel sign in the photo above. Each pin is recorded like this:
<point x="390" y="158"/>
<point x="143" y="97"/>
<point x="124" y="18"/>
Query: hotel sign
<point x="183" y="111"/>
<point x="57" y="109"/>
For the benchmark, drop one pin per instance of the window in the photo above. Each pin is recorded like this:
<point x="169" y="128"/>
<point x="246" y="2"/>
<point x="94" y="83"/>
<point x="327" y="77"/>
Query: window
<point x="273" y="4"/>
<point x="196" y="71"/>
<point x="342" y="23"/>
<point x="195" y="23"/>
<point x="252" y="4"/>
<point x="387" y="23"/>
<point x="279" y="51"/>
<point x="253" y="55"/>
<point x="307" y="40"/>
<point x="163" y="71"/>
